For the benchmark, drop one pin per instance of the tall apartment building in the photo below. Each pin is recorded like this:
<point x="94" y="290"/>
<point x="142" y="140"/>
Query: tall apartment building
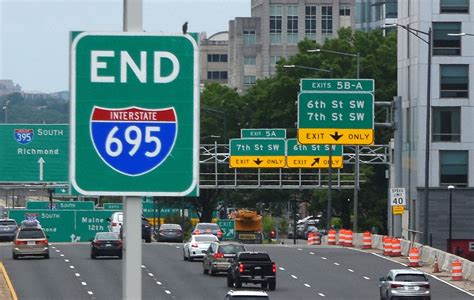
<point x="451" y="144"/>
<point x="372" y="14"/>
<point x="273" y="31"/>
<point x="214" y="58"/>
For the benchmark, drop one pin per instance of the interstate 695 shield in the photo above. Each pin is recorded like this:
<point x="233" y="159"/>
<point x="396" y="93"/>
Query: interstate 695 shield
<point x="134" y="114"/>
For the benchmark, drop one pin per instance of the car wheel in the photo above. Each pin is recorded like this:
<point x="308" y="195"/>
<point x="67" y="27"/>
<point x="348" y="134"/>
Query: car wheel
<point x="148" y="239"/>
<point x="46" y="256"/>
<point x="93" y="255"/>
<point x="120" y="256"/>
<point x="230" y="282"/>
<point x="212" y="272"/>
<point x="190" y="258"/>
<point x="184" y="255"/>
<point x="272" y="285"/>
<point x="264" y="285"/>
<point x="237" y="283"/>
<point x="204" y="270"/>
<point x="15" y="256"/>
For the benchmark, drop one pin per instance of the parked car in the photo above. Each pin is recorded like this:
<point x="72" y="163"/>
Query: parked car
<point x="404" y="283"/>
<point x="197" y="245"/>
<point x="207" y="228"/>
<point x="8" y="229"/>
<point x="146" y="230"/>
<point x="30" y="241"/>
<point x="246" y="295"/>
<point x="115" y="221"/>
<point x="219" y="256"/>
<point x="252" y="267"/>
<point x="169" y="233"/>
<point x="106" y="244"/>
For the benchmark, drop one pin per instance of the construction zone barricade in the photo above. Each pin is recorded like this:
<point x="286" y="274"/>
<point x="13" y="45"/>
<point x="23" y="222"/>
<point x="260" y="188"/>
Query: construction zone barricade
<point x="387" y="246"/>
<point x="348" y="239"/>
<point x="456" y="270"/>
<point x="414" y="257"/>
<point x="396" y="248"/>
<point x="367" y="240"/>
<point x="332" y="237"/>
<point x="342" y="237"/>
<point x="314" y="238"/>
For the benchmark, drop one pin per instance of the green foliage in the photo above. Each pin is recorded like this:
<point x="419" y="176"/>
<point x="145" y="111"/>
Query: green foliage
<point x="268" y="223"/>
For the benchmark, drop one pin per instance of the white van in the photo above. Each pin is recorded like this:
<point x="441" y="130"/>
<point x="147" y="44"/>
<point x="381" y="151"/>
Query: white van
<point x="115" y="221"/>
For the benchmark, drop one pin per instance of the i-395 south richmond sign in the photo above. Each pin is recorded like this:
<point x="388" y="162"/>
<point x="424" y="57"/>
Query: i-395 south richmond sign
<point x="134" y="114"/>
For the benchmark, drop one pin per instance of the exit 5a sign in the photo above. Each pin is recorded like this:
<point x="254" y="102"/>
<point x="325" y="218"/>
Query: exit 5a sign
<point x="134" y="114"/>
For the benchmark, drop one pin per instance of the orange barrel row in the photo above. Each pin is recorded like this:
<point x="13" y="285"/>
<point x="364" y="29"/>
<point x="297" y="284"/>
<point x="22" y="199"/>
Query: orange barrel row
<point x="391" y="246"/>
<point x="367" y="240"/>
<point x="345" y="238"/>
<point x="332" y="237"/>
<point x="314" y="238"/>
<point x="414" y="257"/>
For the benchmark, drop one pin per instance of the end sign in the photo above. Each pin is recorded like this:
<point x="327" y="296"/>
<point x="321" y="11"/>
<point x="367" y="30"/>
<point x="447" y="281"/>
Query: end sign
<point x="134" y="114"/>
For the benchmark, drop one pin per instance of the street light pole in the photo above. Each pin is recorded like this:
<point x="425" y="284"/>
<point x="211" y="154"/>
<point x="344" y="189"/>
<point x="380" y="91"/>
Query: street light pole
<point x="450" y="188"/>
<point x="308" y="68"/>
<point x="428" y="41"/>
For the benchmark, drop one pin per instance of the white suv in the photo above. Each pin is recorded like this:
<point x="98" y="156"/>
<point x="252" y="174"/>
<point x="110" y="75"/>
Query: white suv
<point x="115" y="221"/>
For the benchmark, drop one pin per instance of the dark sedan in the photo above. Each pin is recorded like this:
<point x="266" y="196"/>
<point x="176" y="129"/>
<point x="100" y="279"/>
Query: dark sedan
<point x="8" y="228"/>
<point x="106" y="244"/>
<point x="169" y="233"/>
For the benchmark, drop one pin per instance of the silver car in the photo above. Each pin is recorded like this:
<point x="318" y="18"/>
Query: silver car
<point x="30" y="241"/>
<point x="196" y="246"/>
<point x="8" y="228"/>
<point x="404" y="283"/>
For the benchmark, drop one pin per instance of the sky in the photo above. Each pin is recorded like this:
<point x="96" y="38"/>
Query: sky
<point x="34" y="34"/>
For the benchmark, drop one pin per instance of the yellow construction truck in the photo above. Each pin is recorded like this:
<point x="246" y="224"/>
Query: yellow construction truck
<point x="248" y="226"/>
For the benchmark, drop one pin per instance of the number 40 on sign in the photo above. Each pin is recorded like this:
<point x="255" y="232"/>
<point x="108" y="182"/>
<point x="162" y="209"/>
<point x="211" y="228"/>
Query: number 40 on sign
<point x="397" y="196"/>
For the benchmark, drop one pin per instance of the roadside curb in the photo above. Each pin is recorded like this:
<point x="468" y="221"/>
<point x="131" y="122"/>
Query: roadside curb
<point x="7" y="291"/>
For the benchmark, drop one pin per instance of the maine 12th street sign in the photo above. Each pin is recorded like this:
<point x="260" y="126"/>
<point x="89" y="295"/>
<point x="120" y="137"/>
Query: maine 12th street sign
<point x="342" y="117"/>
<point x="262" y="133"/>
<point x="312" y="156"/>
<point x="34" y="153"/>
<point x="257" y="153"/>
<point x="134" y="114"/>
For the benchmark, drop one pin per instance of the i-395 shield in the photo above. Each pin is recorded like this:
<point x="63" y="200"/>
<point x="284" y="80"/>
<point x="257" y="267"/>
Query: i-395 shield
<point x="133" y="140"/>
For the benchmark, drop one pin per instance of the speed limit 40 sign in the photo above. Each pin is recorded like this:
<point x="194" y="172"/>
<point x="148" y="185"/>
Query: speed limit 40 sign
<point x="397" y="197"/>
<point x="134" y="114"/>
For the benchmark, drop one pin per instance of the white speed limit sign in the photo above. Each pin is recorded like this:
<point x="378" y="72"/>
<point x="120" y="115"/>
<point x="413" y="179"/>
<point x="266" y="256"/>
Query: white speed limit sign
<point x="397" y="196"/>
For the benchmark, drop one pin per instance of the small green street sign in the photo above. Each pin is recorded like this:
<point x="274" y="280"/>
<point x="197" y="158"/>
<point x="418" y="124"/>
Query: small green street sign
<point x="334" y="118"/>
<point x="337" y="85"/>
<point x="113" y="206"/>
<point x="312" y="156"/>
<point x="34" y="153"/>
<point x="257" y="153"/>
<point x="228" y="228"/>
<point x="61" y="205"/>
<point x="262" y="133"/>
<point x="134" y="114"/>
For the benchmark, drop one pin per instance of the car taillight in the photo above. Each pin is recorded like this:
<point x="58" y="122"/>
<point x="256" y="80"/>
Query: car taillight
<point x="426" y="286"/>
<point x="197" y="231"/>
<point x="218" y="255"/>
<point x="241" y="268"/>
<point x="20" y="242"/>
<point x="97" y="243"/>
<point x="274" y="267"/>
<point x="194" y="245"/>
<point x="114" y="224"/>
<point x="45" y="241"/>
<point x="394" y="285"/>
<point x="219" y="233"/>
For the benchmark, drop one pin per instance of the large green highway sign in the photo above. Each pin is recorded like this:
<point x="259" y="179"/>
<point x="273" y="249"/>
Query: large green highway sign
<point x="262" y="133"/>
<point x="312" y="156"/>
<point x="228" y="228"/>
<point x="336" y="112"/>
<point x="257" y="153"/>
<point x="134" y="114"/>
<point x="34" y="153"/>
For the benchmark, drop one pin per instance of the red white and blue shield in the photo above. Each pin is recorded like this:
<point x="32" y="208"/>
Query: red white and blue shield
<point x="133" y="140"/>
<point x="24" y="136"/>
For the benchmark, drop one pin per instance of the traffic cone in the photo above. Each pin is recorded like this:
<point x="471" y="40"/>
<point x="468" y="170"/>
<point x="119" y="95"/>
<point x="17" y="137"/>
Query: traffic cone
<point x="436" y="266"/>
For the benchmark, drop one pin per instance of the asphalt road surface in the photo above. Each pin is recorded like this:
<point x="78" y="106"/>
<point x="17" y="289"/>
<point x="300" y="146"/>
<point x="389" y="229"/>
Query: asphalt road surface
<point x="303" y="273"/>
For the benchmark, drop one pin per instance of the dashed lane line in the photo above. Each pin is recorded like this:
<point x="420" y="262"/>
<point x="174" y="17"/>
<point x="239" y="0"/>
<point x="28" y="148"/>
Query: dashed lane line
<point x="350" y="270"/>
<point x="366" y="278"/>
<point x="337" y="264"/>
<point x="281" y="268"/>
<point x="294" y="276"/>
<point x="321" y="294"/>
<point x="307" y="285"/>
<point x="322" y="257"/>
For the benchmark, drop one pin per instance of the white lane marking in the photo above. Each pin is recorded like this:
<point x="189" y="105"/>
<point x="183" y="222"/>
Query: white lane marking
<point x="143" y="267"/>
<point x="450" y="284"/>
<point x="321" y="294"/>
<point x="281" y="268"/>
<point x="72" y="267"/>
<point x="177" y="247"/>
<point x="58" y="250"/>
<point x="365" y="277"/>
<point x="322" y="257"/>
<point x="77" y="275"/>
<point x="62" y="255"/>
<point x="158" y="283"/>
<point x="350" y="270"/>
<point x="337" y="264"/>
<point x="83" y="283"/>
<point x="90" y="292"/>
<point x="294" y="277"/>
<point x="150" y="274"/>
<point x="299" y="249"/>
<point x="312" y="253"/>
<point x="66" y="260"/>
<point x="168" y="292"/>
<point x="53" y="247"/>
<point x="392" y="260"/>
<point x="307" y="285"/>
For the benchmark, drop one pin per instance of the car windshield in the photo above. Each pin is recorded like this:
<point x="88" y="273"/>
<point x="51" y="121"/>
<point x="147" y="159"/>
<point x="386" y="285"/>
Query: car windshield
<point x="31" y="234"/>
<point x="107" y="236"/>
<point x="411" y="277"/>
<point x="7" y="222"/>
<point x="201" y="238"/>
<point x="170" y="226"/>
<point x="231" y="249"/>
<point x="207" y="226"/>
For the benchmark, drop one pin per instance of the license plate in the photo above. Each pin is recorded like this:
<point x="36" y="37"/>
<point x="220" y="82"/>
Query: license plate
<point x="258" y="268"/>
<point x="108" y="245"/>
<point x="31" y="243"/>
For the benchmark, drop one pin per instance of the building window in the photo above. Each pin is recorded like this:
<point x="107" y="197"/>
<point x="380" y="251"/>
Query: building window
<point x="310" y="22"/>
<point x="250" y="60"/>
<point x="274" y="60"/>
<point x="250" y="37"/>
<point x="454" y="81"/>
<point x="250" y="80"/>
<point x="326" y="20"/>
<point x="217" y="75"/>
<point x="292" y="24"/>
<point x="446" y="124"/>
<point x="444" y="44"/>
<point x="276" y="12"/>
<point x="453" y="166"/>
<point x="217" y="57"/>
<point x="344" y="10"/>
<point x="454" y="6"/>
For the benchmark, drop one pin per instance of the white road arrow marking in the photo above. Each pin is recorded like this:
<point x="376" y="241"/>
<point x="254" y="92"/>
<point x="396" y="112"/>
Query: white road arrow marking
<point x="41" y="162"/>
